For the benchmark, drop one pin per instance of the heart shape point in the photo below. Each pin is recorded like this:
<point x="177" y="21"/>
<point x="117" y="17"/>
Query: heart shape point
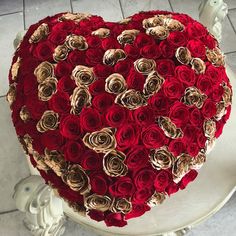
<point x="118" y="115"/>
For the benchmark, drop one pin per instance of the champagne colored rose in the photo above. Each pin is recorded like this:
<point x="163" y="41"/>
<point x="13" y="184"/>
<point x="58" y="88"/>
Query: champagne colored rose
<point x="101" y="141"/>
<point x="127" y="36"/>
<point x="169" y="128"/>
<point x="60" y="53"/>
<point x="153" y="21"/>
<point x="47" y="88"/>
<point x="48" y="121"/>
<point x="15" y="69"/>
<point x="112" y="56"/>
<point x="98" y="202"/>
<point x="76" y="178"/>
<point x="76" y="42"/>
<point x="43" y="71"/>
<point x="159" y="32"/>
<point x="24" y="114"/>
<point x="125" y="21"/>
<point x="193" y="96"/>
<point x="173" y="25"/>
<point x="161" y="158"/>
<point x="198" y="161"/>
<point x="115" y="83"/>
<point x="27" y="143"/>
<point x="79" y="99"/>
<point x="210" y="143"/>
<point x="144" y="65"/>
<point x="216" y="57"/>
<point x="101" y="32"/>
<point x="156" y="199"/>
<point x="209" y="128"/>
<point x="220" y="110"/>
<point x="122" y="205"/>
<point x="152" y="84"/>
<point x="198" y="65"/>
<point x="74" y="16"/>
<point x="227" y="95"/>
<point x="83" y="75"/>
<point x="41" y="165"/>
<point x="11" y="94"/>
<point x="131" y="99"/>
<point x="183" y="55"/>
<point x="40" y="33"/>
<point x="113" y="164"/>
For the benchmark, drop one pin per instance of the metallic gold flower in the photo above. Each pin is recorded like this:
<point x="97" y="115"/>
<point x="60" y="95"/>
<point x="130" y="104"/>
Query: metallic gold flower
<point x="198" y="65"/>
<point x="227" y="95"/>
<point x="24" y="114"/>
<point x="210" y="143"/>
<point x="194" y="96"/>
<point x="40" y="33"/>
<point x="127" y="36"/>
<point x="11" y="94"/>
<point x="220" y="110"/>
<point x="121" y="205"/>
<point x="60" y="53"/>
<point x="173" y="25"/>
<point x="74" y="41"/>
<point x="183" y="55"/>
<point x="156" y="199"/>
<point x="131" y="99"/>
<point x="98" y="202"/>
<point x="159" y="32"/>
<point x="101" y="141"/>
<point x="15" y="69"/>
<point x="77" y="17"/>
<point x="125" y="21"/>
<point x="156" y="20"/>
<point x="79" y="99"/>
<point x="112" y="56"/>
<point x="152" y="84"/>
<point x="198" y="161"/>
<point x="27" y="143"/>
<point x="209" y="128"/>
<point x="43" y="71"/>
<point x="48" y="121"/>
<point x="76" y="178"/>
<point x="83" y="75"/>
<point x="144" y="65"/>
<point x="77" y="207"/>
<point x="115" y="83"/>
<point x="101" y="32"/>
<point x="169" y="128"/>
<point x="40" y="160"/>
<point x="113" y="163"/>
<point x="161" y="158"/>
<point x="216" y="57"/>
<point x="47" y="88"/>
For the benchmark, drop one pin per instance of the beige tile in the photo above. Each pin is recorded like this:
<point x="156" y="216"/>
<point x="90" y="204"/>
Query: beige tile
<point x="13" y="165"/>
<point x="7" y="6"/>
<point x="108" y="9"/>
<point x="9" y="26"/>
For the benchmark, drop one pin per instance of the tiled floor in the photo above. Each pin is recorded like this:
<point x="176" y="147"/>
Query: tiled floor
<point x="16" y="15"/>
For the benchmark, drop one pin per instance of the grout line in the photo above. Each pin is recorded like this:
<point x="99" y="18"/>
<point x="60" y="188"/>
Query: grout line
<point x="10" y="13"/>
<point x="6" y="212"/>
<point x="227" y="53"/>
<point x="122" y="10"/>
<point x="171" y="7"/>
<point x="71" y="6"/>
<point x="2" y="96"/>
<point x="231" y="24"/>
<point x="232" y="9"/>
<point x="24" y="14"/>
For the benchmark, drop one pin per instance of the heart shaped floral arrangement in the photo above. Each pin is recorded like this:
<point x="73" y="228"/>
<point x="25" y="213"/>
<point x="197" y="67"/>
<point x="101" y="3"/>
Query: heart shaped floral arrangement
<point x="118" y="116"/>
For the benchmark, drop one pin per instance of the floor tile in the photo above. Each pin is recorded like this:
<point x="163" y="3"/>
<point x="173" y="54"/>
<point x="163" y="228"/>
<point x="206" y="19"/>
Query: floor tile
<point x="232" y="17"/>
<point x="133" y="6"/>
<point x="13" y="165"/>
<point x="108" y="9"/>
<point x="231" y="61"/>
<point x="7" y="6"/>
<point x="231" y="3"/>
<point x="9" y="26"/>
<point x="35" y="10"/>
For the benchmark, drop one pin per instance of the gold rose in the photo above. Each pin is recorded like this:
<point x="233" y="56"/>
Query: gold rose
<point x="76" y="42"/>
<point x="159" y="32"/>
<point x="125" y="21"/>
<point x="144" y="65"/>
<point x="169" y="128"/>
<point x="112" y="56"/>
<point x="40" y="160"/>
<point x="113" y="163"/>
<point x="216" y="57"/>
<point x="122" y="205"/>
<point x="198" y="160"/>
<point x="173" y="25"/>
<point x="24" y="114"/>
<point x="227" y="95"/>
<point x="77" y="17"/>
<point x="43" y="71"/>
<point x="101" y="141"/>
<point x="153" y="21"/>
<point x="83" y="75"/>
<point x="27" y="143"/>
<point x="220" y="110"/>
<point x="115" y="83"/>
<point x="156" y="199"/>
<point x="40" y="33"/>
<point x="198" y="65"/>
<point x="101" y="32"/>
<point x="11" y="94"/>
<point x="47" y="88"/>
<point x="183" y="55"/>
<point x="127" y="36"/>
<point x="15" y="69"/>
<point x="209" y="128"/>
<point x="60" y="53"/>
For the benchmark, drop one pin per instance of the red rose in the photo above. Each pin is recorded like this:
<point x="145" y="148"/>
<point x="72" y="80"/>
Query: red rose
<point x="201" y="140"/>
<point x="191" y="176"/>
<point x="67" y="193"/>
<point x="70" y="127"/>
<point x="76" y="57"/>
<point x="127" y="135"/>
<point x="93" y="41"/>
<point x="131" y="51"/>
<point x="153" y="137"/>
<point x="214" y="74"/>
<point x="60" y="102"/>
<point x="186" y="75"/>
<point x="143" y="39"/>
<point x="102" y="71"/>
<point x="91" y="160"/>
<point x="122" y="187"/>
<point x="219" y="127"/>
<point x="209" y="41"/>
<point x="67" y="26"/>
<point x="193" y="149"/>
<point x="144" y="178"/>
<point x="98" y="181"/>
<point x="165" y="67"/>
<point x="63" y="69"/>
<point x="137" y="210"/>
<point x="142" y="195"/>
<point x="66" y="84"/>
<point x="52" y="139"/>
<point x="97" y="87"/>
<point x="57" y="37"/>
<point x="204" y="83"/>
<point x="209" y="109"/>
<point x="184" y="19"/>
<point x="116" y="115"/>
<point x="177" y="39"/>
<point x="96" y="215"/>
<point x="173" y="88"/>
<point x="103" y="101"/>
<point x="177" y="147"/>
<point x="190" y="133"/>
<point x="162" y="180"/>
<point x="115" y="219"/>
<point x="196" y="30"/>
<point x="167" y="50"/>
<point x="137" y="157"/>
<point x="94" y="56"/>
<point x="172" y="188"/>
<point x="197" y="48"/>
<point x="196" y="117"/>
<point x="144" y="116"/>
<point x="73" y="150"/>
<point x="179" y="113"/>
<point x="150" y="51"/>
<point x="52" y="178"/>
<point x="110" y="43"/>
<point x="43" y="51"/>
<point x="123" y="67"/>
<point x="30" y="84"/>
<point x="90" y="119"/>
<point x="135" y="80"/>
